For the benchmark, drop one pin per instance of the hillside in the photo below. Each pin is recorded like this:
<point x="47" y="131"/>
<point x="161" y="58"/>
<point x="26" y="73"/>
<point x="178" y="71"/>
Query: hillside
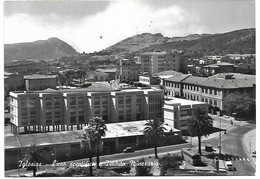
<point x="240" y="41"/>
<point x="39" y="50"/>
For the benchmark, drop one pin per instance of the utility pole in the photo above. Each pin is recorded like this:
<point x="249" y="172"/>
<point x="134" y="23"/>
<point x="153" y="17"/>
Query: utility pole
<point x="220" y="138"/>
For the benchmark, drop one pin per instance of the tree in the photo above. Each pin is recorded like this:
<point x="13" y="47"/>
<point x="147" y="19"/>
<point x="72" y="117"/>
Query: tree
<point x="154" y="132"/>
<point x="200" y="124"/>
<point x="33" y="156"/>
<point x="100" y="131"/>
<point x="243" y="106"/>
<point x="86" y="143"/>
<point x="169" y="161"/>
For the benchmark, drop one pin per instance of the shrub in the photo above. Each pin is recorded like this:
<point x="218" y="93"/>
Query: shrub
<point x="169" y="161"/>
<point x="142" y="170"/>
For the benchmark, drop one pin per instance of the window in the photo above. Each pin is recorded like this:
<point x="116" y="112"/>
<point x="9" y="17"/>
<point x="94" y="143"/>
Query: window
<point x="33" y="121"/>
<point x="24" y="111"/>
<point x="96" y="100"/>
<point x="210" y="91"/>
<point x="138" y="99"/>
<point x="32" y="102"/>
<point x="105" y="118"/>
<point x="73" y="119"/>
<point x="104" y="100"/>
<point x="72" y="101"/>
<point x="128" y="99"/>
<point x="128" y="117"/>
<point x="48" y="121"/>
<point x="210" y="101"/>
<point x="56" y="110"/>
<point x="128" y="109"/>
<point x="81" y="119"/>
<point x="48" y="111"/>
<point x="186" y="112"/>
<point x="105" y="109"/>
<point x="215" y="92"/>
<point x="81" y="110"/>
<point x="33" y="111"/>
<point x="121" y="118"/>
<point x="23" y="102"/>
<point x="215" y="102"/>
<point x="206" y="100"/>
<point x="202" y="90"/>
<point x="72" y="111"/>
<point x="48" y="101"/>
<point x="56" y="101"/>
<point x="80" y="100"/>
<point x="96" y="110"/>
<point x="120" y="109"/>
<point x="120" y="100"/>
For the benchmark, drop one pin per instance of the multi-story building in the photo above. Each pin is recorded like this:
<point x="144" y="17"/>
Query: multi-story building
<point x="127" y="70"/>
<point x="211" y="90"/>
<point x="178" y="112"/>
<point x="64" y="109"/>
<point x="155" y="62"/>
<point x="40" y="82"/>
<point x="13" y="82"/>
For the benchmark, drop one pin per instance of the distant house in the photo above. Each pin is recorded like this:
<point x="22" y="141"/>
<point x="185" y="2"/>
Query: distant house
<point x="222" y="67"/>
<point x="40" y="82"/>
<point x="13" y="82"/>
<point x="111" y="72"/>
<point x="149" y="80"/>
<point x="96" y="76"/>
<point x="128" y="70"/>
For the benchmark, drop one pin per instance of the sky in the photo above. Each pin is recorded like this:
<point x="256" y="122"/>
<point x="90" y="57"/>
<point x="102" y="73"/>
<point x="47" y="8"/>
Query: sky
<point x="95" y="25"/>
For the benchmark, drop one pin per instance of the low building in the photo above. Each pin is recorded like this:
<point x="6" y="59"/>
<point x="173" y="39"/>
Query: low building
<point x="64" y="145"/>
<point x="96" y="76"/>
<point x="111" y="72"/>
<point x="40" y="82"/>
<point x="216" y="68"/>
<point x="178" y="112"/>
<point x="149" y="80"/>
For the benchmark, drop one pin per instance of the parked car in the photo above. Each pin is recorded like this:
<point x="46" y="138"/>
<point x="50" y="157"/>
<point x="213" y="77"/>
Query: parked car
<point x="128" y="150"/>
<point x="229" y="166"/>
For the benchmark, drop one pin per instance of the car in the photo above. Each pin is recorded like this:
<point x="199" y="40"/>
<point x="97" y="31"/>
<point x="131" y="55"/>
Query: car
<point x="128" y="150"/>
<point x="229" y="166"/>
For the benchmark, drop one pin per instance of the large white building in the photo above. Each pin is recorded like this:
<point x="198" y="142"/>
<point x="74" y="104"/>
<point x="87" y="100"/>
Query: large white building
<point x="62" y="109"/>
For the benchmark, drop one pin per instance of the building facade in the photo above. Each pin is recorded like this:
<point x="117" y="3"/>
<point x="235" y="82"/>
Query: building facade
<point x="178" y="112"/>
<point x="219" y="68"/>
<point x="155" y="62"/>
<point x="211" y="90"/>
<point x="40" y="82"/>
<point x="127" y="70"/>
<point x="37" y="111"/>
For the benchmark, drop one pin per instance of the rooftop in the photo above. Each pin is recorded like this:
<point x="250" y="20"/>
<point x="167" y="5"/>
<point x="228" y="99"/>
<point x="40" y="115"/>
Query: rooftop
<point x="194" y="80"/>
<point x="182" y="102"/>
<point x="168" y="72"/>
<point x="37" y="76"/>
<point x="217" y="65"/>
<point x="178" y="77"/>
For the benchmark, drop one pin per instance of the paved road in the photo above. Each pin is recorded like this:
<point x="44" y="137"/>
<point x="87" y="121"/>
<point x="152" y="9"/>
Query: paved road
<point x="232" y="144"/>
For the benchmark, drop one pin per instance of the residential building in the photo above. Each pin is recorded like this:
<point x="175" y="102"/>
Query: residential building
<point x="211" y="90"/>
<point x="221" y="67"/>
<point x="40" y="82"/>
<point x="63" y="109"/>
<point x="178" y="112"/>
<point x="239" y="56"/>
<point x="12" y="82"/>
<point x="111" y="72"/>
<point x="149" y="80"/>
<point x="96" y="76"/>
<point x="127" y="70"/>
<point x="155" y="62"/>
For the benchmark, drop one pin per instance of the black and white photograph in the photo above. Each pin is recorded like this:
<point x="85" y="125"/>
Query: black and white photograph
<point x="129" y="88"/>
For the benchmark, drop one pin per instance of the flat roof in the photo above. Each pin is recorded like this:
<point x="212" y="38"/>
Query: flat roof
<point x="123" y="129"/>
<point x="37" y="76"/>
<point x="183" y="102"/>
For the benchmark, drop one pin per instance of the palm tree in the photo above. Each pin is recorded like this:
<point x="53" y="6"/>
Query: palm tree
<point x="33" y="156"/>
<point x="100" y="131"/>
<point x="86" y="143"/>
<point x="200" y="124"/>
<point x="154" y="132"/>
